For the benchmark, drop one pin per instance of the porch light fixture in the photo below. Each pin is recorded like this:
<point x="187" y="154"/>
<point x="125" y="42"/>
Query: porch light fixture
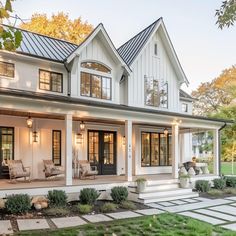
<point x="166" y="131"/>
<point x="79" y="138"/>
<point x="29" y="122"/>
<point x="82" y="126"/>
<point x="35" y="136"/>
<point x="123" y="140"/>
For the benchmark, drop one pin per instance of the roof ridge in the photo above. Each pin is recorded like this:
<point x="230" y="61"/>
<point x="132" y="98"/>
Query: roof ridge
<point x="43" y="35"/>
<point x="140" y="32"/>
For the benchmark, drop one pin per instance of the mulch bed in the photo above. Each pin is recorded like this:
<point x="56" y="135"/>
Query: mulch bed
<point x="224" y="195"/>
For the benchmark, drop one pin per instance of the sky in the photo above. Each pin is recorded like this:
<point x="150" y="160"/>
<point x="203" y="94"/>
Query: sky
<point x="202" y="48"/>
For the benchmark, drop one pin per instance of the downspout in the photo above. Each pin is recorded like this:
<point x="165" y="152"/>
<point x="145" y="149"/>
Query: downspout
<point x="219" y="146"/>
<point x="69" y="79"/>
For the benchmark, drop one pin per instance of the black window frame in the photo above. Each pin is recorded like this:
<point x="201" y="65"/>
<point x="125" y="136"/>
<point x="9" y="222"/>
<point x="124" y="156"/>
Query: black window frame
<point x="60" y="146"/>
<point x="168" y="153"/>
<point x="50" y="82"/>
<point x="90" y="85"/>
<point x="11" y="64"/>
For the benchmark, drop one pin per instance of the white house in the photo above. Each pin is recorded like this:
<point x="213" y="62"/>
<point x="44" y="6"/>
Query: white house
<point x="135" y="118"/>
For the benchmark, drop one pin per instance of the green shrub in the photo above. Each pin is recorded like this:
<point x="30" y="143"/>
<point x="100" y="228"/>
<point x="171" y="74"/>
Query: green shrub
<point x="18" y="203"/>
<point x="128" y="205"/>
<point x="202" y="186"/>
<point x="230" y="181"/>
<point x="84" y="208"/>
<point x="88" y="196"/>
<point x="119" y="194"/>
<point x="219" y="183"/>
<point x="57" y="198"/>
<point x="57" y="211"/>
<point x="215" y="192"/>
<point x="230" y="191"/>
<point x="108" y="207"/>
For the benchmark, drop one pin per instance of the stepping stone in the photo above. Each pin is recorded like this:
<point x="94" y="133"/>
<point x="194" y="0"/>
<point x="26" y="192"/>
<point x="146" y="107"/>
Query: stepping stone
<point x="166" y="204"/>
<point x="217" y="214"/>
<point x="65" y="222"/>
<point x="5" y="227"/>
<point x="230" y="226"/>
<point x="207" y="219"/>
<point x="97" y="218"/>
<point x="154" y="205"/>
<point x="123" y="215"/>
<point x="231" y="198"/>
<point x="225" y="209"/>
<point x="32" y="224"/>
<point x="149" y="212"/>
<point x="234" y="204"/>
<point x="190" y="200"/>
<point x="178" y="202"/>
<point x="203" y="199"/>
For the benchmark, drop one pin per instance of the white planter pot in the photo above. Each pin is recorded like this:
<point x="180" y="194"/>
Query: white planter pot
<point x="141" y="186"/>
<point x="184" y="182"/>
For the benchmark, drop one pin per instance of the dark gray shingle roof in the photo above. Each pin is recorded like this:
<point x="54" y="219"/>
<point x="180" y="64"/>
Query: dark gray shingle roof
<point x="46" y="47"/>
<point x="129" y="50"/>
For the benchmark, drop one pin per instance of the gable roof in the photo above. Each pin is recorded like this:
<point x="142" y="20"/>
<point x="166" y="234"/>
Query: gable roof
<point x="132" y="47"/>
<point x="45" y="47"/>
<point x="185" y="96"/>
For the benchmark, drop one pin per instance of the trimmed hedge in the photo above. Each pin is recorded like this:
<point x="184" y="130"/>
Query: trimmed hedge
<point x="119" y="194"/>
<point x="219" y="183"/>
<point x="57" y="198"/>
<point x="88" y="196"/>
<point x="202" y="186"/>
<point x="18" y="203"/>
<point x="230" y="181"/>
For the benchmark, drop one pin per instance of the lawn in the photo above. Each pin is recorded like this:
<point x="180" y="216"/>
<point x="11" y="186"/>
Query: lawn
<point x="226" y="168"/>
<point x="162" y="225"/>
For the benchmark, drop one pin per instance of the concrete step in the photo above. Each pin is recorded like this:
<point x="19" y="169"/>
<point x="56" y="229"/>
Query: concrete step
<point x="157" y="182"/>
<point x="160" y="187"/>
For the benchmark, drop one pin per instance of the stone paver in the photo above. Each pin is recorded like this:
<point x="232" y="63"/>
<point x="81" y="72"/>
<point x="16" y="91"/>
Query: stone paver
<point x="225" y="209"/>
<point x="190" y="200"/>
<point x="216" y="214"/>
<point x="32" y="224"/>
<point x="230" y="226"/>
<point x="65" y="222"/>
<point x="97" y="218"/>
<point x="178" y="202"/>
<point x="149" y="212"/>
<point x="123" y="215"/>
<point x="5" y="227"/>
<point x="166" y="204"/>
<point x="233" y="204"/>
<point x="231" y="198"/>
<point x="207" y="219"/>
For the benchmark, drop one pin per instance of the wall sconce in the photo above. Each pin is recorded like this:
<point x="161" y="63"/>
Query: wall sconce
<point x="79" y="138"/>
<point x="29" y="122"/>
<point x="35" y="136"/>
<point x="166" y="131"/>
<point x="123" y="140"/>
<point x="82" y="126"/>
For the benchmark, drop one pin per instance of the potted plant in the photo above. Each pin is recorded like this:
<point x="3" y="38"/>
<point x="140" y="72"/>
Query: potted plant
<point x="184" y="181"/>
<point x="141" y="184"/>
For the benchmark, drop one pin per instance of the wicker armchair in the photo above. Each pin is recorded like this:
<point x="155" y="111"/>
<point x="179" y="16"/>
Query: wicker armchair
<point x="17" y="170"/>
<point x="51" y="170"/>
<point x="86" y="170"/>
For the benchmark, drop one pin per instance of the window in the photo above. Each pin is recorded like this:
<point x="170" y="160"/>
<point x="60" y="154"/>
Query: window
<point x="164" y="96"/>
<point x="7" y="69"/>
<point x="50" y="81"/>
<point x="95" y="66"/>
<point x="56" y="147"/>
<point x="156" y="149"/>
<point x="152" y="97"/>
<point x="155" y="49"/>
<point x="184" y="107"/>
<point x="95" y="86"/>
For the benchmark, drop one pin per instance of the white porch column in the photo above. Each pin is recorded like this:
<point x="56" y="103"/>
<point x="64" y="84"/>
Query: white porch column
<point x="128" y="149"/>
<point x="216" y="151"/>
<point x="175" y="150"/>
<point x="68" y="143"/>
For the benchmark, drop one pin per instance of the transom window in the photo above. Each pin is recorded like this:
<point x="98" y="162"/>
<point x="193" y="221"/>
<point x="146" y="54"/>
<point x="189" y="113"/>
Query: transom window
<point x="156" y="149"/>
<point x="7" y="69"/>
<point x="50" y="81"/>
<point x="95" y="85"/>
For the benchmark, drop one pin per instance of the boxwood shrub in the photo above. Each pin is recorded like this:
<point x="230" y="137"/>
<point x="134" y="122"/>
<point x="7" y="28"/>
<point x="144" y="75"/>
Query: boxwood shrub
<point x="88" y="196"/>
<point x="57" y="198"/>
<point x="202" y="186"/>
<point x="18" y="203"/>
<point x="219" y="183"/>
<point x="119" y="194"/>
<point x="230" y="181"/>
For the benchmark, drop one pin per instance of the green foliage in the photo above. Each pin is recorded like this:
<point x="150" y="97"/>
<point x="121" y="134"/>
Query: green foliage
<point x="128" y="205"/>
<point x="18" y="203"/>
<point x="84" y="208"/>
<point x="140" y="180"/>
<point x="108" y="207"/>
<point x="202" y="186"/>
<point x="119" y="194"/>
<point x="215" y="192"/>
<point x="88" y="196"/>
<point x="230" y="181"/>
<point x="230" y="191"/>
<point x="57" y="198"/>
<point x="219" y="183"/>
<point x="57" y="211"/>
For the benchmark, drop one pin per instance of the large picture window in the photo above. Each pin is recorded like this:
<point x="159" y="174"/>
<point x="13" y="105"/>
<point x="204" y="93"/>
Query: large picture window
<point x="56" y="147"/>
<point x="156" y="149"/>
<point x="50" y="81"/>
<point x="7" y="69"/>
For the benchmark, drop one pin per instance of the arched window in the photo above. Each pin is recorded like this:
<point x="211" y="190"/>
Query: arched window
<point x="95" y="80"/>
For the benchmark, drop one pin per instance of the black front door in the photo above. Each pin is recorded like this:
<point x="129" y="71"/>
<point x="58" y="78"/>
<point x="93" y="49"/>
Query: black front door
<point x="6" y="149"/>
<point x="102" y="151"/>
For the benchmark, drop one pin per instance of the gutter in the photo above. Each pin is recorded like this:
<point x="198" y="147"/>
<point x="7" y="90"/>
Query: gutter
<point x="220" y="145"/>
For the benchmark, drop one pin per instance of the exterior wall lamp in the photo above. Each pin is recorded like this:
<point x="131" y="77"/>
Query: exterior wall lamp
<point x="79" y="138"/>
<point x="123" y="140"/>
<point x="29" y="122"/>
<point x="82" y="126"/>
<point x="35" y="136"/>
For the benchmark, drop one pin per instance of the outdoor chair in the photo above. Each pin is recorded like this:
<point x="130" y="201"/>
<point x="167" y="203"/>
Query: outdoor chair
<point x="86" y="170"/>
<point x="51" y="170"/>
<point x="17" y="170"/>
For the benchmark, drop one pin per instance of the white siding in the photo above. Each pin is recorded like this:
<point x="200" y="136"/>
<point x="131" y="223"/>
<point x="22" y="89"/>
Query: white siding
<point x="190" y="107"/>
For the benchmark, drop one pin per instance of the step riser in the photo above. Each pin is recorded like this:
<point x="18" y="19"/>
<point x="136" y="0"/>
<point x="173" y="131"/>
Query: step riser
<point x="172" y="198"/>
<point x="161" y="187"/>
<point x="165" y="193"/>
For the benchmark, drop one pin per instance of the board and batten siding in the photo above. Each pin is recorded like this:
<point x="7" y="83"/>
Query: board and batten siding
<point x="97" y="52"/>
<point x="159" y="67"/>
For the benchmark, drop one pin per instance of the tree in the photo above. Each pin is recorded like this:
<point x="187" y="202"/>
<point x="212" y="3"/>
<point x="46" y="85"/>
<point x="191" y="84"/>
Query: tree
<point x="59" y="26"/>
<point x="226" y="15"/>
<point x="212" y="96"/>
<point x="10" y="38"/>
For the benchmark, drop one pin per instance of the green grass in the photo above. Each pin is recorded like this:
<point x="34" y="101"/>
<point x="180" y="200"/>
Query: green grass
<point x="162" y="225"/>
<point x="226" y="168"/>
